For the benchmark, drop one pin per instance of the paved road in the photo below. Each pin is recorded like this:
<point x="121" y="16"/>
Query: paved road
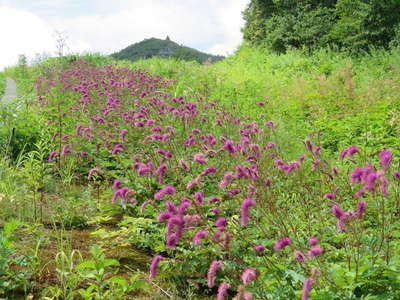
<point x="11" y="90"/>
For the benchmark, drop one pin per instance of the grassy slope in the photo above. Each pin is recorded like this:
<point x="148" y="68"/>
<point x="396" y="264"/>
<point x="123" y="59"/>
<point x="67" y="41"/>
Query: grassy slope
<point x="349" y="100"/>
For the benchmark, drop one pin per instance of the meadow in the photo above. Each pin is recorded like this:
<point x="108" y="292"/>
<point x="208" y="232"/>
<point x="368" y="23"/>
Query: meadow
<point x="262" y="176"/>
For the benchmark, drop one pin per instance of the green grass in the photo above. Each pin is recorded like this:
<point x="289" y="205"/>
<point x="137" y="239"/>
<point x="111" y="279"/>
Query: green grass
<point x="2" y="84"/>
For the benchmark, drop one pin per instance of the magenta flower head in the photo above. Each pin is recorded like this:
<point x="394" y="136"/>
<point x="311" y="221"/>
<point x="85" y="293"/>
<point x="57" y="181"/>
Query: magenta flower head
<point x="52" y="155"/>
<point x="337" y="211"/>
<point x="299" y="256"/>
<point x="92" y="172"/>
<point x="212" y="271"/>
<point x="385" y="158"/>
<point x="199" y="158"/>
<point x="244" y="210"/>
<point x="228" y="177"/>
<point x="123" y="134"/>
<point x="199" y="236"/>
<point x="154" y="264"/>
<point x="259" y="248"/>
<point x="315" y="251"/>
<point x="361" y="208"/>
<point x="343" y="154"/>
<point x="144" y="205"/>
<point x="223" y="290"/>
<point x="312" y="241"/>
<point x="308" y="283"/>
<point x="161" y="172"/>
<point x="164" y="215"/>
<point x="248" y="275"/>
<point x="199" y="198"/>
<point x="171" y="207"/>
<point x="282" y="243"/>
<point x="396" y="175"/>
<point x="183" y="164"/>
<point x="221" y="223"/>
<point x="384" y="185"/>
<point x="117" y="149"/>
<point x="65" y="150"/>
<point x="271" y="124"/>
<point x="209" y="170"/>
<point x="191" y="184"/>
<point x="352" y="150"/>
<point x="168" y="190"/>
<point x="329" y="196"/>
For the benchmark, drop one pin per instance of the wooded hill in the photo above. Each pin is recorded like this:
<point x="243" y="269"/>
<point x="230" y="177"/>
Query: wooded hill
<point x="165" y="48"/>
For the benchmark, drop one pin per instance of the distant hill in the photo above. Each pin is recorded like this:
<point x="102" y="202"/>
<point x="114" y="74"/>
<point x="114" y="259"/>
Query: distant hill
<point x="164" y="48"/>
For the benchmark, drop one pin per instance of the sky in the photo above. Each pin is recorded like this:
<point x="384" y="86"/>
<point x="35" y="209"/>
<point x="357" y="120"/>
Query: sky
<point x="106" y="26"/>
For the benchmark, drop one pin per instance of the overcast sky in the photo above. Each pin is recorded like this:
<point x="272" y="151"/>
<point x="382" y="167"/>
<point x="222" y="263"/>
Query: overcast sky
<point x="27" y="26"/>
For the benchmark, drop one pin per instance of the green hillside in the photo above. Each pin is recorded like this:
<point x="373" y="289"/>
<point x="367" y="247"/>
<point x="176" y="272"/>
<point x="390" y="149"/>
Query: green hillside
<point x="164" y="48"/>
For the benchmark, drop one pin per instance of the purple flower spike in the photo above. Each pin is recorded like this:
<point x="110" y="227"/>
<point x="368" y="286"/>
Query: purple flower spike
<point x="299" y="256"/>
<point x="199" y="198"/>
<point x="313" y="241"/>
<point x="199" y="158"/>
<point x="329" y="196"/>
<point x="315" y="251"/>
<point x="164" y="215"/>
<point x="221" y="223"/>
<point x="168" y="190"/>
<point x="215" y="265"/>
<point x="244" y="210"/>
<point x="154" y="264"/>
<point x="282" y="243"/>
<point x="65" y="150"/>
<point x="337" y="211"/>
<point x="228" y="177"/>
<point x="248" y="275"/>
<point x="385" y="158"/>
<point x="52" y="155"/>
<point x="199" y="236"/>
<point x="259" y="248"/>
<point x="361" y="208"/>
<point x="223" y="290"/>
<point x="308" y="283"/>
<point x="209" y="170"/>
<point x="92" y="172"/>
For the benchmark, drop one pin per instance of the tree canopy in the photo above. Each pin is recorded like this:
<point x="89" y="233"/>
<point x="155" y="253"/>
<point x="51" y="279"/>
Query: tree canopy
<point x="347" y="24"/>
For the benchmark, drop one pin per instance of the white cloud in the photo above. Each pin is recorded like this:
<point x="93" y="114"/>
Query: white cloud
<point x="22" y="33"/>
<point x="209" y="25"/>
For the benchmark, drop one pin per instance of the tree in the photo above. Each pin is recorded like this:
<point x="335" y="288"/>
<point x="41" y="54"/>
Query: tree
<point x="348" y="24"/>
<point x="61" y="42"/>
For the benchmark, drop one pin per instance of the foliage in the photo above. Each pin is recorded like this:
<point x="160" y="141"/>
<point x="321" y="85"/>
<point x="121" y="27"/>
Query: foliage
<point x="275" y="125"/>
<point x="347" y="24"/>
<point x="237" y="176"/>
<point x="13" y="274"/>
<point x="102" y="285"/>
<point x="2" y="84"/>
<point x="164" y="48"/>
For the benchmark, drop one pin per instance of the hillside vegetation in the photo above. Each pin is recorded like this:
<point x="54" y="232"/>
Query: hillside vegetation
<point x="164" y="48"/>
<point x="355" y="26"/>
<point x="266" y="175"/>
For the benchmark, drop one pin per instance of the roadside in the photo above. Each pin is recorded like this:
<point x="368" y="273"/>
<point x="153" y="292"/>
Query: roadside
<point x="10" y="92"/>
